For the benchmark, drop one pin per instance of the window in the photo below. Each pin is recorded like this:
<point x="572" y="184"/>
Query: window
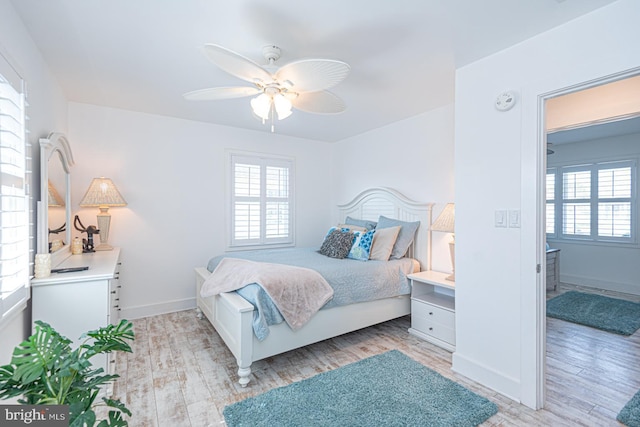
<point x="551" y="202"/>
<point x="593" y="202"/>
<point x="261" y="201"/>
<point x="14" y="201"/>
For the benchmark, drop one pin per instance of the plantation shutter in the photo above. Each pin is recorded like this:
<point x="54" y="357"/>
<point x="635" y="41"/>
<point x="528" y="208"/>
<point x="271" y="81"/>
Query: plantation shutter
<point x="598" y="201"/>
<point x="614" y="201"/>
<point x="14" y="200"/>
<point x="576" y="208"/>
<point x="550" y="220"/>
<point x="261" y="201"/>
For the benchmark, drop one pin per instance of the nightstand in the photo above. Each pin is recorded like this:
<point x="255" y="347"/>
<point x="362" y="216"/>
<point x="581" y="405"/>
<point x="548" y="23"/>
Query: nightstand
<point x="433" y="308"/>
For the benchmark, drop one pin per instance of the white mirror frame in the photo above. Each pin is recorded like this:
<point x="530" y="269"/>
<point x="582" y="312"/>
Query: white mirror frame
<point x="55" y="143"/>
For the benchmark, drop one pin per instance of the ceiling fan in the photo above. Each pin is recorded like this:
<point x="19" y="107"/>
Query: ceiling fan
<point x="299" y="84"/>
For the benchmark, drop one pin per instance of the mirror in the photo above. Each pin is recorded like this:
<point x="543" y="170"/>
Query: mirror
<point x="54" y="207"/>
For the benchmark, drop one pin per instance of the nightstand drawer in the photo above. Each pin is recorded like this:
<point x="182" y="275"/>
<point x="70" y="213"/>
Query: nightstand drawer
<point x="431" y="313"/>
<point x="437" y="330"/>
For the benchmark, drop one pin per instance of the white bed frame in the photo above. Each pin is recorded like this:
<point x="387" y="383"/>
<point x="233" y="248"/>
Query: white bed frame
<point x="232" y="316"/>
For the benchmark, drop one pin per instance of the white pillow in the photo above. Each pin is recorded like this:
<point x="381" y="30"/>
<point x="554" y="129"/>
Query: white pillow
<point x="383" y="241"/>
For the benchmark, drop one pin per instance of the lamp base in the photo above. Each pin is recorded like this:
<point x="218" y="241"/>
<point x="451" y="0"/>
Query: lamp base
<point x="452" y="253"/>
<point x="103" y="247"/>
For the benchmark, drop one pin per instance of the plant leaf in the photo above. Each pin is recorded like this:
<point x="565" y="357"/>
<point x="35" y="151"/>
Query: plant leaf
<point x="40" y="353"/>
<point x="111" y="338"/>
<point x="85" y="418"/>
<point x="116" y="403"/>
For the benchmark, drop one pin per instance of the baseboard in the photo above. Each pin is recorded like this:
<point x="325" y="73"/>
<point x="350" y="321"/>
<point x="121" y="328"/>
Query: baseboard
<point x="627" y="288"/>
<point x="509" y="387"/>
<point x="141" y="311"/>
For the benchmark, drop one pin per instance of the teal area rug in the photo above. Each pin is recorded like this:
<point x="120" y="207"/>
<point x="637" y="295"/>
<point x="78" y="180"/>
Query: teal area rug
<point x="605" y="313"/>
<point x="389" y="389"/>
<point x="630" y="414"/>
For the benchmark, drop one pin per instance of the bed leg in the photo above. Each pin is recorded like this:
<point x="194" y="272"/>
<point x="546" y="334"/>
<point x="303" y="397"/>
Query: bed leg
<point x="244" y="374"/>
<point x="199" y="313"/>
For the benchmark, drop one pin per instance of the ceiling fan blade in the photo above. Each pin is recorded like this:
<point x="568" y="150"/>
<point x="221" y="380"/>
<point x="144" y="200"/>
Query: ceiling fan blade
<point x="322" y="102"/>
<point x="216" y="93"/>
<point x="311" y="75"/>
<point x="236" y="64"/>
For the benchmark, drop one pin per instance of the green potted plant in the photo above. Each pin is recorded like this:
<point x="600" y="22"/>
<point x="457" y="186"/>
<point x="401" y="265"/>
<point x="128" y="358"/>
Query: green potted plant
<point x="46" y="370"/>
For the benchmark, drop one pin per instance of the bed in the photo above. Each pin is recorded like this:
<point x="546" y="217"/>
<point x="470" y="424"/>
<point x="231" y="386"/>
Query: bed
<point x="232" y="316"/>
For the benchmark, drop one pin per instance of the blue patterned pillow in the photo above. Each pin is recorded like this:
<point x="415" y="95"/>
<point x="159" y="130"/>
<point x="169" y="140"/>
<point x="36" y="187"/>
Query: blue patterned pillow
<point x="362" y="246"/>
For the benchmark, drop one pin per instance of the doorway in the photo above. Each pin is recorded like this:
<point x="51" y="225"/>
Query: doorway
<point x="581" y="112"/>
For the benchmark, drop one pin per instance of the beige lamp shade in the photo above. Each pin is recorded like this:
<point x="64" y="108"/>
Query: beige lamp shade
<point x="103" y="194"/>
<point x="54" y="199"/>
<point x="446" y="220"/>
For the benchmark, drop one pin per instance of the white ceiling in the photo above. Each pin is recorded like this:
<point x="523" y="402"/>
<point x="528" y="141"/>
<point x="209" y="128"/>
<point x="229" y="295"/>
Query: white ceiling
<point x="142" y="55"/>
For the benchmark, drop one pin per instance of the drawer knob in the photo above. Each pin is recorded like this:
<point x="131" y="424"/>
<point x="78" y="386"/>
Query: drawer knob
<point x="431" y="329"/>
<point x="431" y="313"/>
<point x="113" y="292"/>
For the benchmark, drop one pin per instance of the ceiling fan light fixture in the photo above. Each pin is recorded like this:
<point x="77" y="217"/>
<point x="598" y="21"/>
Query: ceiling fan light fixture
<point x="261" y="106"/>
<point x="282" y="105"/>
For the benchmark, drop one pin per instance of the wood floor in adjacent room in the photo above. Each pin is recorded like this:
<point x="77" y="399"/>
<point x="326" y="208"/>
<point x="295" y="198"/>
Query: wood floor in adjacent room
<point x="181" y="374"/>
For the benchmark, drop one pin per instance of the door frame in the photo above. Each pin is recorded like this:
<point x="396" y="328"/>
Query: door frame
<point x="541" y="171"/>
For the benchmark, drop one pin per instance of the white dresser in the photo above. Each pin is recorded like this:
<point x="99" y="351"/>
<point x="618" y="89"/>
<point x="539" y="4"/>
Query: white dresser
<point x="74" y="303"/>
<point x="433" y="308"/>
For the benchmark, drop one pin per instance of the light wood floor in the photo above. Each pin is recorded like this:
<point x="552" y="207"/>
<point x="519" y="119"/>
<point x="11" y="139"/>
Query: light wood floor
<point x="181" y="374"/>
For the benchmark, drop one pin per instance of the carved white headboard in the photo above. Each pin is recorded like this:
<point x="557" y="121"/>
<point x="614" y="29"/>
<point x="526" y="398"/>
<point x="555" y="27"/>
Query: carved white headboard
<point x="372" y="203"/>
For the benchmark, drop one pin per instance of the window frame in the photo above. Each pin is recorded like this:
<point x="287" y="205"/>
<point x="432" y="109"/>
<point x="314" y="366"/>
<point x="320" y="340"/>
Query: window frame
<point x="594" y="201"/>
<point x="14" y="301"/>
<point x="263" y="162"/>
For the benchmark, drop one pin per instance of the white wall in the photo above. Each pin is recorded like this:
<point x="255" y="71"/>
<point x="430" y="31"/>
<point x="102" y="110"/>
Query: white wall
<point x="413" y="156"/>
<point x="498" y="156"/>
<point x="47" y="112"/>
<point x="605" y="266"/>
<point x="172" y="174"/>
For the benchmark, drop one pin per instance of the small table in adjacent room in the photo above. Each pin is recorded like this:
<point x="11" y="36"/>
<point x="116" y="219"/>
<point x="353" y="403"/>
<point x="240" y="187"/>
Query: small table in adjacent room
<point x="553" y="269"/>
<point x="433" y="308"/>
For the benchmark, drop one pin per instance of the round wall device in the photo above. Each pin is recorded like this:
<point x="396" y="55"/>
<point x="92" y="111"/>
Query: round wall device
<point x="506" y="100"/>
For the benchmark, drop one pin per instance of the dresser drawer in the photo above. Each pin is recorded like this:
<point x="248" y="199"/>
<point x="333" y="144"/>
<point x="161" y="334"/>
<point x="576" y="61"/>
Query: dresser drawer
<point x="432" y="313"/>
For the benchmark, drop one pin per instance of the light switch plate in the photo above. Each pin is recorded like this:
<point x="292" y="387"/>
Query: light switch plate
<point x="514" y="218"/>
<point x="501" y="219"/>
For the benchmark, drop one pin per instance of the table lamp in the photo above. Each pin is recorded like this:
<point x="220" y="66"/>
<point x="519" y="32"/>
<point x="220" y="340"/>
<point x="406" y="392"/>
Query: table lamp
<point x="103" y="194"/>
<point x="446" y="223"/>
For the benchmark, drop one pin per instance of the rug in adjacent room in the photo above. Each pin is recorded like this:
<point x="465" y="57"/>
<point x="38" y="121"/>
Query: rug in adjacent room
<point x="388" y="389"/>
<point x="630" y="414"/>
<point x="598" y="311"/>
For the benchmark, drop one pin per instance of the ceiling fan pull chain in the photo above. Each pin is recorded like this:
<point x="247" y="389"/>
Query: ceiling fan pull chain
<point x="273" y="113"/>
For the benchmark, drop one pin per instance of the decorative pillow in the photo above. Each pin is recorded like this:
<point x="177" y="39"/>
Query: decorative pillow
<point x="346" y="227"/>
<point x="351" y="227"/>
<point x="337" y="244"/>
<point x="362" y="246"/>
<point x="383" y="242"/>
<point x="369" y="225"/>
<point x="405" y="237"/>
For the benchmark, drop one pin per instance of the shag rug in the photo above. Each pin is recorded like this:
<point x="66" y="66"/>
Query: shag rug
<point x="389" y="389"/>
<point x="605" y="313"/>
<point x="630" y="414"/>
